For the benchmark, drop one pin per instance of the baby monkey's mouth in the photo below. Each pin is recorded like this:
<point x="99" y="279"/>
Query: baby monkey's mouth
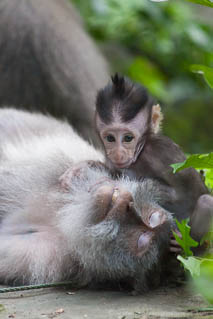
<point x="123" y="165"/>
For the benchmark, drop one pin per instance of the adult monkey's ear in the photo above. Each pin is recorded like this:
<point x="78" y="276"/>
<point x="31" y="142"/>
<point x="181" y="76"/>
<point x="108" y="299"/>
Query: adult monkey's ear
<point x="156" y="119"/>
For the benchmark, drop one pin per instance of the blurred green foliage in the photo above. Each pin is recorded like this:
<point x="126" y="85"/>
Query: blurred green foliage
<point x="207" y="3"/>
<point x="155" y="43"/>
<point x="200" y="268"/>
<point x="204" y="282"/>
<point x="205" y="71"/>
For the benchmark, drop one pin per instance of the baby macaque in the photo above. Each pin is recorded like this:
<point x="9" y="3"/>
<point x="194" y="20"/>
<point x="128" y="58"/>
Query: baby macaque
<point x="64" y="218"/>
<point x="128" y="124"/>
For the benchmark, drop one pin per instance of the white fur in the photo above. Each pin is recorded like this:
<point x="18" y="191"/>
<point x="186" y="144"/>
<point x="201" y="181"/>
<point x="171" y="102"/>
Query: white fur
<point x="47" y="234"/>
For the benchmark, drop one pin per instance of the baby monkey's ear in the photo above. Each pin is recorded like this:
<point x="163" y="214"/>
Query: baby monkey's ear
<point x="157" y="118"/>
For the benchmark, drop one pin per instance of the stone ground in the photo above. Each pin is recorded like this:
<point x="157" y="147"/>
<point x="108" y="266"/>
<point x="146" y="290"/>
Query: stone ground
<point x="86" y="304"/>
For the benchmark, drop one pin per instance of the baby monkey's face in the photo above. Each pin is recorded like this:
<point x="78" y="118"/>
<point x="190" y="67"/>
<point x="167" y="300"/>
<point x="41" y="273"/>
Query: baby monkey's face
<point x="122" y="141"/>
<point x="120" y="145"/>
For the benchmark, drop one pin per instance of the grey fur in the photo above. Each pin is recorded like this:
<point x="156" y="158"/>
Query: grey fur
<point x="48" y="234"/>
<point x="48" y="62"/>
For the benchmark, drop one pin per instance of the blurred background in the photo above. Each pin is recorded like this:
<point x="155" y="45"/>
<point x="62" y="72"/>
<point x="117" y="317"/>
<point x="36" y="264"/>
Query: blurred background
<point x="155" y="43"/>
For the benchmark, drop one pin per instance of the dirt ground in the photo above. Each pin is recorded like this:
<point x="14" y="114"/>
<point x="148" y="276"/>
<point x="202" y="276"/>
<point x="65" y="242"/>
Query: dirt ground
<point x="86" y="304"/>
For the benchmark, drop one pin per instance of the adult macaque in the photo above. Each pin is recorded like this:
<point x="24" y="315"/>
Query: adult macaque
<point x="128" y="125"/>
<point x="90" y="229"/>
<point x="48" y="62"/>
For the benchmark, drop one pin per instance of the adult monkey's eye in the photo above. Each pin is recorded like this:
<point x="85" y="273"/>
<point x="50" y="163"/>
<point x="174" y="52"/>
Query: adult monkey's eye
<point x="128" y="138"/>
<point x="110" y="138"/>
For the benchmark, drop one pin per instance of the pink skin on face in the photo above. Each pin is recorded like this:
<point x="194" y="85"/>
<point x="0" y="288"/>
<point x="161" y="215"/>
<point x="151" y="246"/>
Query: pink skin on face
<point x="122" y="141"/>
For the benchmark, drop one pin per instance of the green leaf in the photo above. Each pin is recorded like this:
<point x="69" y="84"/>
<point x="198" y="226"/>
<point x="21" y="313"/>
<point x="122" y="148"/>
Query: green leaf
<point x="201" y="270"/>
<point x="198" y="161"/>
<point x="192" y="264"/>
<point x="205" y="71"/>
<point x="208" y="3"/>
<point x="209" y="178"/>
<point x="186" y="242"/>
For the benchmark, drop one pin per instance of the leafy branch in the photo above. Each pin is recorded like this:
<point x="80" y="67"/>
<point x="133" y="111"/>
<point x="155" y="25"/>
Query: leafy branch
<point x="200" y="269"/>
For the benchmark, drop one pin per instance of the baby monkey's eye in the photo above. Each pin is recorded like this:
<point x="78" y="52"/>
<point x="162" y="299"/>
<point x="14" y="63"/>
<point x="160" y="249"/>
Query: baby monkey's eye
<point x="128" y="138"/>
<point x="110" y="138"/>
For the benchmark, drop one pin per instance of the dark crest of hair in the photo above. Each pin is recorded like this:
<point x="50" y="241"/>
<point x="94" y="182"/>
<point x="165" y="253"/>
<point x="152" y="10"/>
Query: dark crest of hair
<point x="124" y="97"/>
<point x="119" y="84"/>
